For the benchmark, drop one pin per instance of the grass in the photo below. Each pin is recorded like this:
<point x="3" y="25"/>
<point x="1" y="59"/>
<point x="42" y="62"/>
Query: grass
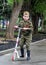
<point x="3" y="33"/>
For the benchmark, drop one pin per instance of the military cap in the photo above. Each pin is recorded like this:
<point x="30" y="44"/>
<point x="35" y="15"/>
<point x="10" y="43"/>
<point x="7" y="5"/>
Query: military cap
<point x="26" y="13"/>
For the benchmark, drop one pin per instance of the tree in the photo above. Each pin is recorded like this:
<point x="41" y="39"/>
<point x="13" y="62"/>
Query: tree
<point x="38" y="8"/>
<point x="13" y="19"/>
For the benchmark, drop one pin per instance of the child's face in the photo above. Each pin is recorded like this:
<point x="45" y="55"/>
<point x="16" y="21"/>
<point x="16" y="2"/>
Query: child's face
<point x="25" y="17"/>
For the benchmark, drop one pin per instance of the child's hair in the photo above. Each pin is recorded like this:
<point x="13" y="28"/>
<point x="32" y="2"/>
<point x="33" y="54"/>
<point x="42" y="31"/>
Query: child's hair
<point x="26" y="13"/>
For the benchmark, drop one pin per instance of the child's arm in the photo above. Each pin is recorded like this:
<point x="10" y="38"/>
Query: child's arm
<point x="31" y="26"/>
<point x="21" y="24"/>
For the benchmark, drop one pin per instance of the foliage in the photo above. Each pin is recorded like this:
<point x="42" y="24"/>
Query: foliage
<point x="45" y="22"/>
<point x="39" y="6"/>
<point x="10" y="1"/>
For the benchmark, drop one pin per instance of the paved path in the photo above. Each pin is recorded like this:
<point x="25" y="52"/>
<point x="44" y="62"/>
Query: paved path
<point x="38" y="56"/>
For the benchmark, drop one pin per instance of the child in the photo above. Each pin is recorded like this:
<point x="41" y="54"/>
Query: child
<point x="26" y="35"/>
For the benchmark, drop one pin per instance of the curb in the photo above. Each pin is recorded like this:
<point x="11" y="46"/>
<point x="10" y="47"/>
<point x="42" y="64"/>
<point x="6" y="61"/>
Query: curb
<point x="12" y="49"/>
<point x="3" y="42"/>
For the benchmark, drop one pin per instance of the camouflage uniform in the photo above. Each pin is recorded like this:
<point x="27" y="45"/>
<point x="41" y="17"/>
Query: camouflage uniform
<point x="26" y="35"/>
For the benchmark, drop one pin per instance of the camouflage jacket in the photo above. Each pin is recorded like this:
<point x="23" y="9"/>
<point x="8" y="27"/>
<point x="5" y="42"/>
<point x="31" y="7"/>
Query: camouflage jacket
<point x="26" y="24"/>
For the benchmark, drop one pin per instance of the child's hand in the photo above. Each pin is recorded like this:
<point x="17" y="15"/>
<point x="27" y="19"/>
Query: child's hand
<point x="15" y="27"/>
<point x="26" y="28"/>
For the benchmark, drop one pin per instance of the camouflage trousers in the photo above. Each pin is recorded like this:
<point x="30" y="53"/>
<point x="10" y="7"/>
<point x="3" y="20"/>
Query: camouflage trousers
<point x="26" y="40"/>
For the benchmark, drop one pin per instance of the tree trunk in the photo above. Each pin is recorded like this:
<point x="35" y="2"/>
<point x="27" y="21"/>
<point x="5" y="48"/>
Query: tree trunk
<point x="13" y="20"/>
<point x="35" y="22"/>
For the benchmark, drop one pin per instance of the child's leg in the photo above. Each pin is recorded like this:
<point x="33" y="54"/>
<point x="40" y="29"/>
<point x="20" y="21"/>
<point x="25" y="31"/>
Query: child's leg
<point x="28" y="48"/>
<point x="21" y="47"/>
<point x="28" y="43"/>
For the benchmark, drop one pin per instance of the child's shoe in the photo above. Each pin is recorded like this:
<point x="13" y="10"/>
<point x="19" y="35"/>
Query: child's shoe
<point x="28" y="55"/>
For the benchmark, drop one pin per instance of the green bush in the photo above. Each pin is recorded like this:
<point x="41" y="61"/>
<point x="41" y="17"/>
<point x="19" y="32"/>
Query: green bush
<point x="45" y="22"/>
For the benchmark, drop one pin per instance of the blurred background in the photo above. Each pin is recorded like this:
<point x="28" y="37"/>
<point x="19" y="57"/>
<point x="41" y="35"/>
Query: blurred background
<point x="11" y="13"/>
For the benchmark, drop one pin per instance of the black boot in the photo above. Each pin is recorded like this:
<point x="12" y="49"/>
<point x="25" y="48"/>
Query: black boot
<point x="28" y="54"/>
<point x="22" y="52"/>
